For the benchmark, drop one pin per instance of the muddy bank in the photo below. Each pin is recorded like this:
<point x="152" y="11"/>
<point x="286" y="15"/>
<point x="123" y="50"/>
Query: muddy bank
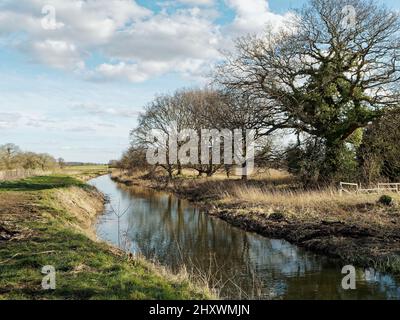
<point x="350" y="243"/>
<point x="353" y="240"/>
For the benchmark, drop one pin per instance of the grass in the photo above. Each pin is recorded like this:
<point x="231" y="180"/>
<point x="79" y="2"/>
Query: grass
<point x="41" y="183"/>
<point x="300" y="201"/>
<point x="85" y="270"/>
<point x="47" y="221"/>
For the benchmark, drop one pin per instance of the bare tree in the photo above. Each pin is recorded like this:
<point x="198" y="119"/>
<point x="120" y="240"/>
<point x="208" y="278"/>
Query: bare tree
<point x="203" y="110"/>
<point x="240" y="110"/>
<point x="8" y="155"/>
<point x="169" y="115"/>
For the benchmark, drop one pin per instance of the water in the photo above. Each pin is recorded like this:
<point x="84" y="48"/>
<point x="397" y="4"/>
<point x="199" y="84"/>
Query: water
<point x="242" y="264"/>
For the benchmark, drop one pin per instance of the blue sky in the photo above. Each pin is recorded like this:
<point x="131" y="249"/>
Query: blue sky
<point x="73" y="83"/>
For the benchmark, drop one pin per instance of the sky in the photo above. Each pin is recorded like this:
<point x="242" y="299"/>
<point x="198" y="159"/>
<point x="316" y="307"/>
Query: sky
<point x="75" y="74"/>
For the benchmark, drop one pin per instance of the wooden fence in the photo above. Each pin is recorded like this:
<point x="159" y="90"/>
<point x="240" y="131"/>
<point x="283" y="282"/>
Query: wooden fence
<point x="351" y="188"/>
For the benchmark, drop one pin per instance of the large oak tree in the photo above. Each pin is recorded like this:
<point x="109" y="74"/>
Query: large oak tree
<point x="327" y="73"/>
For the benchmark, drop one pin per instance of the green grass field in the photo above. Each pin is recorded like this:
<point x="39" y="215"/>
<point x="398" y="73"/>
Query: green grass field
<point x="44" y="221"/>
<point x="41" y="183"/>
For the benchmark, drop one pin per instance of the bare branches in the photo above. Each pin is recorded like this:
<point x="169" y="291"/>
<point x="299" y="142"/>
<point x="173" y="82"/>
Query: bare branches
<point x="322" y="76"/>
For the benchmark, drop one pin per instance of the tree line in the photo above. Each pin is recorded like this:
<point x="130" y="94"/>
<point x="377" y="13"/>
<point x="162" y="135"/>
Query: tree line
<point x="12" y="157"/>
<point x="328" y="84"/>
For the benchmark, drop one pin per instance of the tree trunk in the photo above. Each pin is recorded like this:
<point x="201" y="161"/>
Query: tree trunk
<point x="210" y="171"/>
<point x="244" y="164"/>
<point x="179" y="168"/>
<point x="170" y="171"/>
<point x="228" y="171"/>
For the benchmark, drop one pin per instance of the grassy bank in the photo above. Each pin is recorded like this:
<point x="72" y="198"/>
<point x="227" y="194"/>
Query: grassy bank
<point x="354" y="228"/>
<point x="48" y="221"/>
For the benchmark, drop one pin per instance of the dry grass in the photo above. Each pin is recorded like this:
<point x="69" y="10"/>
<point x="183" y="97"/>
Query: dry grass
<point x="267" y="175"/>
<point x="318" y="205"/>
<point x="82" y="205"/>
<point x="303" y="199"/>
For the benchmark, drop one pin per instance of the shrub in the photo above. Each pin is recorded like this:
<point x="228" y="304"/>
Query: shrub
<point x="386" y="200"/>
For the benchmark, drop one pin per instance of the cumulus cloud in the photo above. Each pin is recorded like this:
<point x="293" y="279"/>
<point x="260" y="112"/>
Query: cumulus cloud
<point x="184" y="34"/>
<point x="80" y="27"/>
<point x="252" y="16"/>
<point x="134" y="43"/>
<point x="58" y="54"/>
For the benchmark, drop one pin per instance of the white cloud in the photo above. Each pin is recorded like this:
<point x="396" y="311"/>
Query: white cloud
<point x="82" y="26"/>
<point x="58" y="54"/>
<point x="134" y="43"/>
<point x="135" y="72"/>
<point x="252" y="16"/>
<point x="184" y="34"/>
<point x="162" y="44"/>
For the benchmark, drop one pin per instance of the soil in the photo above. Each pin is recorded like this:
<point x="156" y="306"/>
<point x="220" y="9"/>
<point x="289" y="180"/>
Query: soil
<point x="15" y="208"/>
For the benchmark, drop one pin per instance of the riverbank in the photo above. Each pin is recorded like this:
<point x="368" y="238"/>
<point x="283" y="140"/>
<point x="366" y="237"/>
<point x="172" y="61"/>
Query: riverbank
<point x="356" y="229"/>
<point x="48" y="221"/>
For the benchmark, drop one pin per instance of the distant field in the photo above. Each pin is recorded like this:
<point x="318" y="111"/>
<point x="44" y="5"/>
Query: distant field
<point x="87" y="167"/>
<point x="83" y="172"/>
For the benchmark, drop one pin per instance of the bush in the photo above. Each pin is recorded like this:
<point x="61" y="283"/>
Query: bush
<point x="379" y="154"/>
<point x="386" y="200"/>
<point x="305" y="161"/>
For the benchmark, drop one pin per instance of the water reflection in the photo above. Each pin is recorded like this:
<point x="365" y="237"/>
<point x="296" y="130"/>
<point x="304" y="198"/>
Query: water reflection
<point x="174" y="232"/>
